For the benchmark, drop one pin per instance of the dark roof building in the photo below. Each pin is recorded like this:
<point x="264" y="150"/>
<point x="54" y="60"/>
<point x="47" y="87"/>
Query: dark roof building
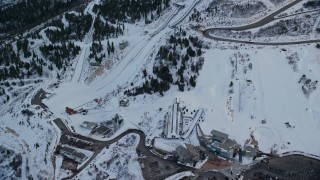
<point x="72" y="154"/>
<point x="250" y="151"/>
<point x="89" y="125"/>
<point x="69" y="164"/>
<point x="221" y="144"/>
<point x="184" y="156"/>
<point x="219" y="136"/>
<point x="124" y="102"/>
<point x="102" y="130"/>
<point x="189" y="154"/>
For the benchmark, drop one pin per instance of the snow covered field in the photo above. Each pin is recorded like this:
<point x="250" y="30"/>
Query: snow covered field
<point x="116" y="162"/>
<point x="245" y="91"/>
<point x="277" y="98"/>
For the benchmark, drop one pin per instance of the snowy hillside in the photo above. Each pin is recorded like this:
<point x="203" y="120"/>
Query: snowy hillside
<point x="159" y="89"/>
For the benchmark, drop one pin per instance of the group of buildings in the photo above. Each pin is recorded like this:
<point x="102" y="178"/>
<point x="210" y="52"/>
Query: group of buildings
<point x="218" y="143"/>
<point x="190" y="154"/>
<point x="105" y="129"/>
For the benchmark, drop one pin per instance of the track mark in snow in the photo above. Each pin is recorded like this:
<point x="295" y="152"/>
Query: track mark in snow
<point x="77" y="72"/>
<point x="314" y="29"/>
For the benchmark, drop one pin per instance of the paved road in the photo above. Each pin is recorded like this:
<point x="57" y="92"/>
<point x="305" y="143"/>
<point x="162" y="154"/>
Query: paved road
<point x="99" y="145"/>
<point x="267" y="19"/>
<point x="207" y="35"/>
<point x="37" y="99"/>
<point x="287" y="167"/>
<point x="299" y="13"/>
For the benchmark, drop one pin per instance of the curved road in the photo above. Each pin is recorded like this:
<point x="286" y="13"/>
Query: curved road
<point x="208" y="35"/>
<point x="267" y="19"/>
<point x="99" y="145"/>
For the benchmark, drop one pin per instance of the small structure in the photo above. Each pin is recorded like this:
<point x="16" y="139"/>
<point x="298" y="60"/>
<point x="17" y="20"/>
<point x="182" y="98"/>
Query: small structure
<point x="124" y="102"/>
<point x="69" y="164"/>
<point x="102" y="130"/>
<point x="288" y="125"/>
<point x="219" y="136"/>
<point x="70" y="111"/>
<point x="123" y="44"/>
<point x="240" y="155"/>
<point x="89" y="125"/>
<point x="250" y="151"/>
<point x="72" y="154"/>
<point x="184" y="156"/>
<point x="118" y="119"/>
<point x="189" y="154"/>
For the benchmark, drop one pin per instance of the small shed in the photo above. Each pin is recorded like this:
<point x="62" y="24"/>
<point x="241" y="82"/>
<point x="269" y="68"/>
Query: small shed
<point x="124" y="102"/>
<point x="123" y="44"/>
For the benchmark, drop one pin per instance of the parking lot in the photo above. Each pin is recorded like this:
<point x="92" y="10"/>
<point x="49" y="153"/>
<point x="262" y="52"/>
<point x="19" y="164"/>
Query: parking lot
<point x="287" y="167"/>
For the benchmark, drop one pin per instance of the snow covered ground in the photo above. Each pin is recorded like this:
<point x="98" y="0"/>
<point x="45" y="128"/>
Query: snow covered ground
<point x="115" y="162"/>
<point x="277" y="98"/>
<point x="180" y="175"/>
<point x="264" y="87"/>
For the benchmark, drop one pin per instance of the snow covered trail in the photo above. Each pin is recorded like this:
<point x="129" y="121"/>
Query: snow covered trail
<point x="186" y="14"/>
<point x="285" y="102"/>
<point x="314" y="29"/>
<point x="84" y="51"/>
<point x="131" y="64"/>
<point x="166" y="22"/>
<point x="79" y="66"/>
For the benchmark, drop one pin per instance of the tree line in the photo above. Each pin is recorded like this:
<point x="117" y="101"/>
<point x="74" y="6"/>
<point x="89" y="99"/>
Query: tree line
<point x="131" y="10"/>
<point x="27" y="12"/>
<point x="176" y="64"/>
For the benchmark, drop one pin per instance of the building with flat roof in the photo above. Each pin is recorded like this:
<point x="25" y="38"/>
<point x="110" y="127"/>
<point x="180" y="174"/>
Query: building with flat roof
<point x="102" y="130"/>
<point x="72" y="154"/>
<point x="89" y="125"/>
<point x="250" y="151"/>
<point x="69" y="164"/>
<point x="124" y="102"/>
<point x="184" y="156"/>
<point x="189" y="154"/>
<point x="219" y="136"/>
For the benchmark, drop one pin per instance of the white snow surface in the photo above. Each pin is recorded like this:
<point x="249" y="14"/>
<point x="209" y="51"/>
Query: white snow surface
<point x="180" y="175"/>
<point x="274" y="95"/>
